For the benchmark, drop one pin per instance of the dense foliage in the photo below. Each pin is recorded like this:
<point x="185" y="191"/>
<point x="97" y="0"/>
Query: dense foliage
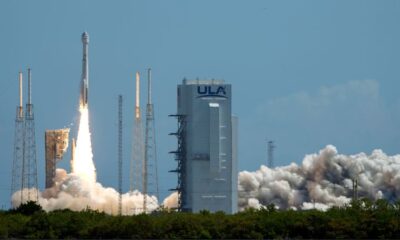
<point x="361" y="219"/>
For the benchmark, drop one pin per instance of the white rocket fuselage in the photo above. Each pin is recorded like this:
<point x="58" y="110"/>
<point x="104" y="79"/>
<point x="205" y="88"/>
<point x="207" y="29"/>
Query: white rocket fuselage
<point x="85" y="71"/>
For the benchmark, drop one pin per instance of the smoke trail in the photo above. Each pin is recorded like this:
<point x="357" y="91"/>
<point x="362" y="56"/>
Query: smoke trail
<point x="322" y="180"/>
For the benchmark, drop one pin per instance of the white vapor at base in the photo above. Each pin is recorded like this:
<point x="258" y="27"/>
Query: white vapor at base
<point x="321" y="181"/>
<point x="75" y="193"/>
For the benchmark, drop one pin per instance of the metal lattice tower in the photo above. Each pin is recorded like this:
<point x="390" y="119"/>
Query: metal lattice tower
<point x="29" y="174"/>
<point x="150" y="174"/>
<point x="137" y="158"/>
<point x="271" y="147"/>
<point x="180" y="157"/>
<point x="19" y="135"/>
<point x="24" y="171"/>
<point x="120" y="154"/>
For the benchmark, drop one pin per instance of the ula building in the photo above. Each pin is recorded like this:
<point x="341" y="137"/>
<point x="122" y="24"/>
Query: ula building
<point x="207" y="147"/>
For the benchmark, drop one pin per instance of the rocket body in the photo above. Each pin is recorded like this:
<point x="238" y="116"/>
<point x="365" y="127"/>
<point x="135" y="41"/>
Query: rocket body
<point x="85" y="71"/>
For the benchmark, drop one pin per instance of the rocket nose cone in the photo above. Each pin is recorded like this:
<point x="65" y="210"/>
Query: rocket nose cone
<point x="85" y="37"/>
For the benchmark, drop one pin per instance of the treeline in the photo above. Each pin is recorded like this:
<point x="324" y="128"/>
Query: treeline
<point x="360" y="219"/>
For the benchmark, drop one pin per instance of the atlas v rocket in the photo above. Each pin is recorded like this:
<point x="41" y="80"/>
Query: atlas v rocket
<point x="85" y="71"/>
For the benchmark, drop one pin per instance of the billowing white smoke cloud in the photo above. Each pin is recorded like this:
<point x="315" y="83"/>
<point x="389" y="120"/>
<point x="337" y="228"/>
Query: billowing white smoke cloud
<point x="76" y="193"/>
<point x="79" y="190"/>
<point x="171" y="201"/>
<point x="322" y="180"/>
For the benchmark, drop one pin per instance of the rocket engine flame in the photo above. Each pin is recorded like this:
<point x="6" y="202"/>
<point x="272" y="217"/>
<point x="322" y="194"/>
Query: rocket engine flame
<point x="83" y="165"/>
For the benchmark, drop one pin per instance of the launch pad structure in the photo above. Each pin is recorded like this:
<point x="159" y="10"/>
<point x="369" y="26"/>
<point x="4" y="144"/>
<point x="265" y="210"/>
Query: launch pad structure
<point x="150" y="183"/>
<point x="180" y="157"/>
<point x="24" y="167"/>
<point x="56" y="144"/>
<point x="137" y="158"/>
<point x="143" y="171"/>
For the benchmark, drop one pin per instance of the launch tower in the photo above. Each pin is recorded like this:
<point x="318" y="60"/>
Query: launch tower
<point x="19" y="135"/>
<point x="137" y="158"/>
<point x="24" y="171"/>
<point x="120" y="157"/>
<point x="29" y="167"/>
<point x="150" y="177"/>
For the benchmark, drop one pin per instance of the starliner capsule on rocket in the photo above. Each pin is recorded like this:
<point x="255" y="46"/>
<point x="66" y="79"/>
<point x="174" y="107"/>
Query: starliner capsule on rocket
<point x="85" y="71"/>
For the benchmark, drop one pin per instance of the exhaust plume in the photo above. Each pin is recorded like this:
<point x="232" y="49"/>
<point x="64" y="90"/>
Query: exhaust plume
<point x="75" y="193"/>
<point x="83" y="165"/>
<point x="322" y="180"/>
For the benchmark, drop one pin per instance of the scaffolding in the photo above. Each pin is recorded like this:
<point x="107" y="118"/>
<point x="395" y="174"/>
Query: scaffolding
<point x="180" y="157"/>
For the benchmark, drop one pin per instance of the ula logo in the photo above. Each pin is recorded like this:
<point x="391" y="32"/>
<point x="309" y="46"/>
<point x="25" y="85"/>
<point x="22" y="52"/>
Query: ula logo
<point x="208" y="91"/>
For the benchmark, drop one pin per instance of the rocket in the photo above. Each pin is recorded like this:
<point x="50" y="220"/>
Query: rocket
<point x="85" y="71"/>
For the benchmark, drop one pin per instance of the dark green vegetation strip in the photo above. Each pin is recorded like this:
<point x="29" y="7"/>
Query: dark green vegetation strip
<point x="360" y="219"/>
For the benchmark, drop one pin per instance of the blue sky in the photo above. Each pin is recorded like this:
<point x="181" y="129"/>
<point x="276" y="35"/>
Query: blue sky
<point x="304" y="73"/>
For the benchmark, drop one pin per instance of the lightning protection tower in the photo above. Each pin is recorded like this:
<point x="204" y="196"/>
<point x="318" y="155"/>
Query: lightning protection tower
<point x="16" y="182"/>
<point x="119" y="155"/>
<point x="150" y="174"/>
<point x="270" y="150"/>
<point x="29" y="167"/>
<point x="24" y="172"/>
<point x="137" y="157"/>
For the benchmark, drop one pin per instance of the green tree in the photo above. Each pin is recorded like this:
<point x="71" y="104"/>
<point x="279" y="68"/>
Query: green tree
<point x="29" y="208"/>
